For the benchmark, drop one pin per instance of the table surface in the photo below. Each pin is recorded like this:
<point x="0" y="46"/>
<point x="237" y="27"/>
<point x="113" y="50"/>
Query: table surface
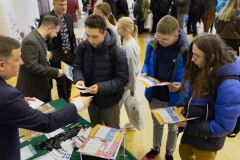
<point x="58" y="104"/>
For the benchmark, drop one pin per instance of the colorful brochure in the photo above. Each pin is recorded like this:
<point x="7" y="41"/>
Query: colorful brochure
<point x="169" y="115"/>
<point x="67" y="70"/>
<point x="103" y="142"/>
<point x="151" y="82"/>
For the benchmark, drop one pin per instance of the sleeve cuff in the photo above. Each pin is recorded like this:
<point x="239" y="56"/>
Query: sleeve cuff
<point x="79" y="105"/>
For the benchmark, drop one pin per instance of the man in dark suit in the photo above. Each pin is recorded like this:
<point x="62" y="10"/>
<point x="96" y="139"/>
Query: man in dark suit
<point x="34" y="75"/>
<point x="14" y="110"/>
<point x="63" y="46"/>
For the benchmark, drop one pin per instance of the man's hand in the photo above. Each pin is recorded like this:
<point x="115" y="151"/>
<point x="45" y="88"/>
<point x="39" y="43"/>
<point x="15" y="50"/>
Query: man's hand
<point x="132" y="93"/>
<point x="181" y="110"/>
<point x="49" y="55"/>
<point x="86" y="101"/>
<point x="81" y="83"/>
<point x="93" y="89"/>
<point x="181" y="124"/>
<point x="174" y="87"/>
<point x="60" y="73"/>
<point x="143" y="74"/>
<point x="27" y="99"/>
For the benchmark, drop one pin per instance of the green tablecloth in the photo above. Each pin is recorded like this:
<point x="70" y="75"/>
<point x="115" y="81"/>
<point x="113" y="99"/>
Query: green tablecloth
<point x="58" y="104"/>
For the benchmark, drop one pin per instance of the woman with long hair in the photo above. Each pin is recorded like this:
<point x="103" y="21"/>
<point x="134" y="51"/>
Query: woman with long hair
<point x="104" y="10"/>
<point x="212" y="100"/>
<point x="227" y="24"/>
<point x="129" y="31"/>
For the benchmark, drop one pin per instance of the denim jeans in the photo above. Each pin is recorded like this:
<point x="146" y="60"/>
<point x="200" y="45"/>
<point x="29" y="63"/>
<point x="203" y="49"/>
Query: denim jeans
<point x="158" y="130"/>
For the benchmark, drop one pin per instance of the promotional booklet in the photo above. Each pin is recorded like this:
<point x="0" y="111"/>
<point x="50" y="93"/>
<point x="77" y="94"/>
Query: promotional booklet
<point x="169" y="115"/>
<point x="151" y="82"/>
<point x="67" y="70"/>
<point x="103" y="142"/>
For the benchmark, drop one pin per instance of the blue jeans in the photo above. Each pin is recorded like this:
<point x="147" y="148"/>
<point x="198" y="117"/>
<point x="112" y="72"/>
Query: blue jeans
<point x="158" y="130"/>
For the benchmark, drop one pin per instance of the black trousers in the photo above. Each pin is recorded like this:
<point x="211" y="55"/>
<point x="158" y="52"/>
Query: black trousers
<point x="64" y="85"/>
<point x="192" y="22"/>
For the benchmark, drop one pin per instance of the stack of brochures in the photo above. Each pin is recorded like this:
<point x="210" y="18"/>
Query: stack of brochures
<point x="103" y="142"/>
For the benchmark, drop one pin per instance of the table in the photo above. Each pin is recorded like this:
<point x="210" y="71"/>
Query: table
<point x="58" y="104"/>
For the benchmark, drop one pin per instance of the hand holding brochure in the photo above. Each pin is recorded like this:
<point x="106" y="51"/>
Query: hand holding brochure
<point x="67" y="70"/>
<point x="151" y="82"/>
<point x="169" y="115"/>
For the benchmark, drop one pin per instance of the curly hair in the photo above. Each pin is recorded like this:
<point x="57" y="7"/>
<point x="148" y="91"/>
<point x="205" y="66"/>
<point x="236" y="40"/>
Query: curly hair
<point x="204" y="80"/>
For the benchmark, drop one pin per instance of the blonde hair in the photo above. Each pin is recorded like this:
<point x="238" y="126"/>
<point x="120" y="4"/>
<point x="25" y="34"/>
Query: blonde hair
<point x="225" y="14"/>
<point x="128" y="25"/>
<point x="105" y="8"/>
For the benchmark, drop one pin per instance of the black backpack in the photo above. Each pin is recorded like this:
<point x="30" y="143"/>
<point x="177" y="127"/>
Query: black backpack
<point x="237" y="126"/>
<point x="137" y="10"/>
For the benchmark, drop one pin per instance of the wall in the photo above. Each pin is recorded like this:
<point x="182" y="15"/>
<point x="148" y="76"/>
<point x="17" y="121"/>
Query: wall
<point x="26" y="12"/>
<point x="9" y="26"/>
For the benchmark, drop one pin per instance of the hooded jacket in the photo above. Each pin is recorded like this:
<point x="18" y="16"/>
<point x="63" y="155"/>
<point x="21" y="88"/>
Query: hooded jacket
<point x="216" y="118"/>
<point x="150" y="64"/>
<point x="95" y="67"/>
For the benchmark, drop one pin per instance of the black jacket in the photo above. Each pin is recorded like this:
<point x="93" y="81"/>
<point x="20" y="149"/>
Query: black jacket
<point x="94" y="67"/>
<point x="55" y="45"/>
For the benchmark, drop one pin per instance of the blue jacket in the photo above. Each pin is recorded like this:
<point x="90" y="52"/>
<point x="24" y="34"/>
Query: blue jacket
<point x="95" y="67"/>
<point x="220" y="5"/>
<point x="217" y="119"/>
<point x="150" y="62"/>
<point x="15" y="113"/>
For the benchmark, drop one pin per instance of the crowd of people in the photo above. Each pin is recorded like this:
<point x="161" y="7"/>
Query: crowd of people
<point x="106" y="63"/>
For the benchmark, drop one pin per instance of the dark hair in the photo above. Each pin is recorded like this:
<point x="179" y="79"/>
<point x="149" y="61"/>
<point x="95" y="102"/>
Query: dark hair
<point x="167" y="25"/>
<point x="7" y="45"/>
<point x="107" y="11"/>
<point x="96" y="21"/>
<point x="199" y="79"/>
<point x="49" y="20"/>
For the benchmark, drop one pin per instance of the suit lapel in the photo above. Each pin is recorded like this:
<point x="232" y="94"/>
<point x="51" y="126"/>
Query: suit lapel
<point x="41" y="40"/>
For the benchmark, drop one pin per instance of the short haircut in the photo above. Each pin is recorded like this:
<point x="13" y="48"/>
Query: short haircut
<point x="7" y="45"/>
<point x="49" y="20"/>
<point x="96" y="21"/>
<point x="167" y="25"/>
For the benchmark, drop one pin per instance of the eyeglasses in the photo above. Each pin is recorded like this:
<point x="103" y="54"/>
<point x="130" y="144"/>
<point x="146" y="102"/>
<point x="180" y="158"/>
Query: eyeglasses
<point x="196" y="57"/>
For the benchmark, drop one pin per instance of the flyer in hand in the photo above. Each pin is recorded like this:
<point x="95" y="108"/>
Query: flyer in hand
<point x="103" y="142"/>
<point x="151" y="82"/>
<point x="169" y="115"/>
<point x="67" y="70"/>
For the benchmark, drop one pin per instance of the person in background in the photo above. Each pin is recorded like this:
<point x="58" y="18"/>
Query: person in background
<point x="145" y="8"/>
<point x="63" y="46"/>
<point x="104" y="78"/>
<point x="74" y="10"/>
<point x="35" y="73"/>
<point x="122" y="9"/>
<point x="221" y="4"/>
<point x="227" y="24"/>
<point x="193" y="16"/>
<point x="113" y="5"/>
<point x="216" y="105"/>
<point x="159" y="9"/>
<point x="14" y="110"/>
<point x="182" y="7"/>
<point x="165" y="59"/>
<point x="128" y="30"/>
<point x="104" y="10"/>
<point x="209" y="13"/>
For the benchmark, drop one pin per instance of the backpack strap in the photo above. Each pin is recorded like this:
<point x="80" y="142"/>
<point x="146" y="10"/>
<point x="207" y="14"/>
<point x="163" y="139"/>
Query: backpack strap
<point x="112" y="53"/>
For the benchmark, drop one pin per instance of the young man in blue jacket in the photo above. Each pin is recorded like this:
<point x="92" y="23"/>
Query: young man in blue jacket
<point x="165" y="59"/>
